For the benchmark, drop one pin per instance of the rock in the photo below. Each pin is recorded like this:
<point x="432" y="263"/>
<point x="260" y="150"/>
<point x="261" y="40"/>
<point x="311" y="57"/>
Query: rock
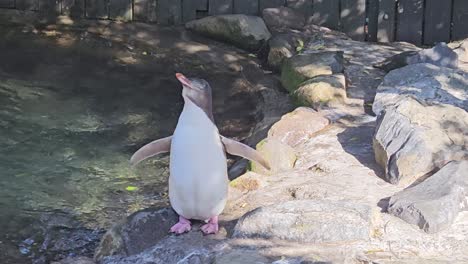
<point x="279" y="17"/>
<point x="463" y="51"/>
<point x="246" y="32"/>
<point x="440" y="55"/>
<point x="321" y="90"/>
<point x="307" y="221"/>
<point x="248" y="182"/>
<point x="302" y="67"/>
<point x="192" y="247"/>
<point x="77" y="260"/>
<point x="282" y="46"/>
<point x="434" y="204"/>
<point x="137" y="232"/>
<point x="426" y="82"/>
<point x="413" y="139"/>
<point x="238" y="168"/>
<point x="240" y="256"/>
<point x="280" y="156"/>
<point x="298" y="126"/>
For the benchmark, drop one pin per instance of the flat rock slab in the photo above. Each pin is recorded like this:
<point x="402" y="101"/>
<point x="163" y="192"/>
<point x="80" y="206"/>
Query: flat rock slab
<point x="246" y="32"/>
<point x="440" y="55"/>
<point x="302" y="67"/>
<point x="298" y="126"/>
<point x="283" y="17"/>
<point x="435" y="203"/>
<point x="308" y="221"/>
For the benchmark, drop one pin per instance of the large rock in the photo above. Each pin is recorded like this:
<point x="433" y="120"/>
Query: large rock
<point x="322" y="90"/>
<point x="307" y="221"/>
<point x="413" y="139"/>
<point x="426" y="82"/>
<point x="279" y="17"/>
<point x="280" y="156"/>
<point x="246" y="32"/>
<point x="137" y="233"/>
<point x="298" y="126"/>
<point x="440" y="55"/>
<point x="435" y="203"/>
<point x="282" y="46"/>
<point x="248" y="182"/>
<point x="192" y="247"/>
<point x="240" y="256"/>
<point x="462" y="51"/>
<point x="302" y="67"/>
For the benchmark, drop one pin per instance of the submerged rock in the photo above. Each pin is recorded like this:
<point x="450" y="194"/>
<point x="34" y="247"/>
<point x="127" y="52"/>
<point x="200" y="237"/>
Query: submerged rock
<point x="322" y="90"/>
<point x="298" y="126"/>
<point x="308" y="221"/>
<point x="302" y="67"/>
<point x="440" y="55"/>
<point x="278" y="17"/>
<point x="434" y="204"/>
<point x="246" y="32"/>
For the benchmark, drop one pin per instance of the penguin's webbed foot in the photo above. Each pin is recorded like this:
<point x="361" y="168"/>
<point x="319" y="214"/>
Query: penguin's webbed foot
<point x="211" y="227"/>
<point x="182" y="226"/>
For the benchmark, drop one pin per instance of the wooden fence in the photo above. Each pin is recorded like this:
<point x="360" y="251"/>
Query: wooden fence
<point x="415" y="21"/>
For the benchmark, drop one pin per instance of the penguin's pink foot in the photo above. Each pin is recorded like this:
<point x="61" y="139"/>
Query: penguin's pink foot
<point x="211" y="227"/>
<point x="182" y="226"/>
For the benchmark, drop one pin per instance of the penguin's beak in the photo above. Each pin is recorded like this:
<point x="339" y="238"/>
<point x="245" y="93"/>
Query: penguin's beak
<point x="184" y="80"/>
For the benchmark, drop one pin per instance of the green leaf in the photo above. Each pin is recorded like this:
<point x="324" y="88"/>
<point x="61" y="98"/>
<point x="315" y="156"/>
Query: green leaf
<point x="131" y="188"/>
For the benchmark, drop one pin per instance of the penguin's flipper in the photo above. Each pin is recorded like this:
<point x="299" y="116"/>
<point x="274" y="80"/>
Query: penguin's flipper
<point x="239" y="149"/>
<point x="156" y="147"/>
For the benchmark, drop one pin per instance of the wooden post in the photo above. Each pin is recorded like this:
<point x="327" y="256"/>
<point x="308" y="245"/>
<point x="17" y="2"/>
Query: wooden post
<point x="460" y="20"/>
<point x="353" y="18"/>
<point x="410" y="21"/>
<point x="386" y="21"/>
<point x="437" y="18"/>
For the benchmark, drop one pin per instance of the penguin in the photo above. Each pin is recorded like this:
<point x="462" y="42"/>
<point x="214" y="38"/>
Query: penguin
<point x="198" y="180"/>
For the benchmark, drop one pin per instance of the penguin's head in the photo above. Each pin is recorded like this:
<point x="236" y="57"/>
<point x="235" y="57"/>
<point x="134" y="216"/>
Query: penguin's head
<point x="198" y="91"/>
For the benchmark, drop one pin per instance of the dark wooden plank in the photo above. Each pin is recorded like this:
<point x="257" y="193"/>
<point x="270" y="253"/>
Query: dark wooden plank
<point x="219" y="7"/>
<point x="437" y="18"/>
<point x="353" y="18"/>
<point x="372" y="20"/>
<point x="7" y="3"/>
<point x="303" y="6"/>
<point x="73" y="8"/>
<point x="120" y="10"/>
<point x="386" y="21"/>
<point x="189" y="10"/>
<point x="202" y="5"/>
<point x="27" y="5"/>
<point x="262" y="4"/>
<point x="248" y="7"/>
<point x="460" y="19"/>
<point x="326" y="13"/>
<point x="410" y="21"/>
<point x="97" y="9"/>
<point x="145" y="10"/>
<point x="169" y="12"/>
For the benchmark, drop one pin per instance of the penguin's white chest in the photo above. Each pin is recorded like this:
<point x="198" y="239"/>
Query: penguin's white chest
<point x="198" y="181"/>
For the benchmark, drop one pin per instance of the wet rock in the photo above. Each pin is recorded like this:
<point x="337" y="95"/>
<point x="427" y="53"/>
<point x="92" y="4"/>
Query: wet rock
<point x="282" y="46"/>
<point x="302" y="67"/>
<point x="248" y="182"/>
<point x="298" y="126"/>
<point x="426" y="82"/>
<point x="307" y="221"/>
<point x="192" y="247"/>
<point x="77" y="260"/>
<point x="279" y="17"/>
<point x="434" y="204"/>
<point x="322" y="90"/>
<point x="240" y="257"/>
<point x="413" y="139"/>
<point x="280" y="156"/>
<point x="138" y="232"/>
<point x="440" y="55"/>
<point x="246" y="32"/>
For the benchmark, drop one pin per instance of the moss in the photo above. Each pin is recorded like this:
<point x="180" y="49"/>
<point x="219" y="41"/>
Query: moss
<point x="290" y="79"/>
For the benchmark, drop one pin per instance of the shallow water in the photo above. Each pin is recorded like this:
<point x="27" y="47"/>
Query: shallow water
<point x="70" y="118"/>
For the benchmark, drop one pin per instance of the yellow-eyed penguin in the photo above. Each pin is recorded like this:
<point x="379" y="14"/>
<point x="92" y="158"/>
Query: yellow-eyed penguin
<point x="198" y="181"/>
